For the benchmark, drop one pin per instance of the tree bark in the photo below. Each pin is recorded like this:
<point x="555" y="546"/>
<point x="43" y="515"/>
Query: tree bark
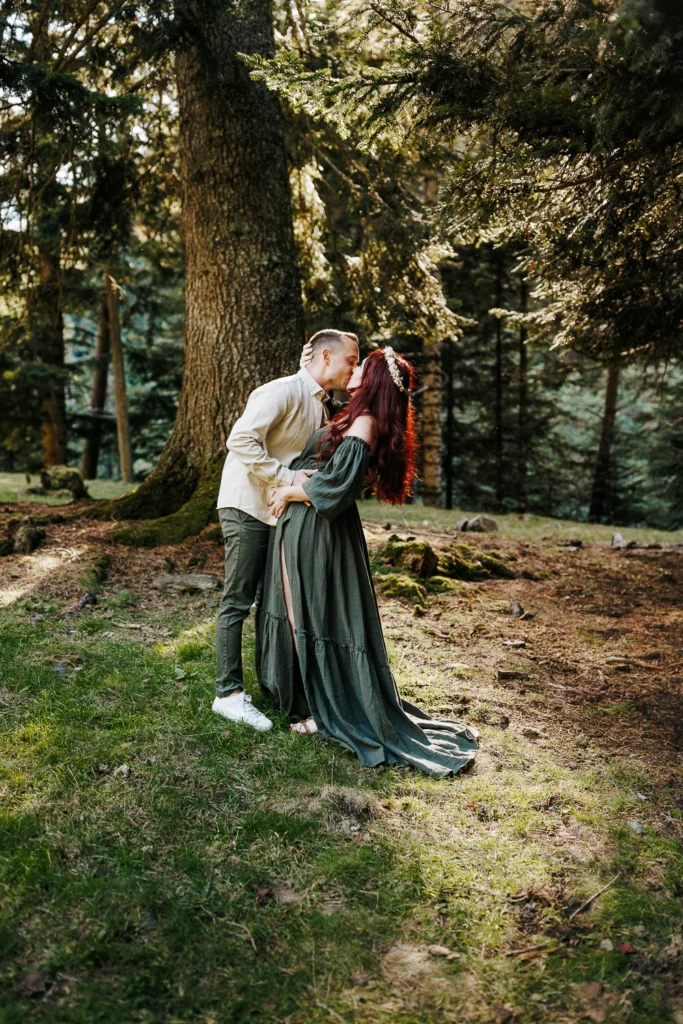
<point x="98" y="397"/>
<point x="498" y="391"/>
<point x="523" y="420"/>
<point x="601" y="477"/>
<point x="244" y="319"/>
<point x="47" y="318"/>
<point x="431" y="425"/>
<point x="119" y="371"/>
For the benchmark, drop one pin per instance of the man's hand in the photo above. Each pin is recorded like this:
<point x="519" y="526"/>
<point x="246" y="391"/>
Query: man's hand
<point x="301" y="476"/>
<point x="306" y="355"/>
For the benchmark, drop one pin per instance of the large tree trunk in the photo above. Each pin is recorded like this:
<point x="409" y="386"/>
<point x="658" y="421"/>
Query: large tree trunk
<point x="244" y="319"/>
<point x="523" y="420"/>
<point x="431" y="425"/>
<point x="98" y="396"/>
<point x="601" y="477"/>
<point x="49" y="328"/>
<point x="119" y="371"/>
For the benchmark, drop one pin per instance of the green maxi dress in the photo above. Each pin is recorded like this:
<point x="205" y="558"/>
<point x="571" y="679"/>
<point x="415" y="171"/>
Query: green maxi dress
<point x="348" y="683"/>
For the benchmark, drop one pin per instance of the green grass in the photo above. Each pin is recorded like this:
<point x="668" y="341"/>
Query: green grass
<point x="150" y="897"/>
<point x="513" y="526"/>
<point x="12" y="483"/>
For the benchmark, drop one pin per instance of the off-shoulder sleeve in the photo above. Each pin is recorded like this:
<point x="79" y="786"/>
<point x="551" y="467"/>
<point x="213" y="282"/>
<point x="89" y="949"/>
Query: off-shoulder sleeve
<point x="335" y="488"/>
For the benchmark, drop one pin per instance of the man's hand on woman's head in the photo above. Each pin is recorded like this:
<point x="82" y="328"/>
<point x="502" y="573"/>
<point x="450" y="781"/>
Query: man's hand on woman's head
<point x="306" y="355"/>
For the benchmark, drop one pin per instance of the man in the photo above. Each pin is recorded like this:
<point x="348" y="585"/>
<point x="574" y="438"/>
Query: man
<point x="273" y="430"/>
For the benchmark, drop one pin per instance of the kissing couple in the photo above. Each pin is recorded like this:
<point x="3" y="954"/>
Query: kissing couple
<point x="294" y="544"/>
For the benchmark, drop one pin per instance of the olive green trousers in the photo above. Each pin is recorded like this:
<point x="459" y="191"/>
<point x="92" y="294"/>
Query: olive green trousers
<point x="246" y="547"/>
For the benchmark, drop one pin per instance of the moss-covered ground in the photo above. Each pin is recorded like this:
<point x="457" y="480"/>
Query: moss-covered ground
<point x="159" y="864"/>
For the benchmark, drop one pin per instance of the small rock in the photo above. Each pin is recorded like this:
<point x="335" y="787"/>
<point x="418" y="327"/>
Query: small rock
<point x="567" y="543"/>
<point x="284" y="894"/>
<point x="457" y="665"/>
<point x="36" y="619"/>
<point x="36" y="983"/>
<point x="516" y="608"/>
<point x="124" y="771"/>
<point x="86" y="601"/>
<point x="482" y="524"/>
<point x="531" y="733"/>
<point x="461" y="524"/>
<point x="618" y="541"/>
<point x="607" y="945"/>
<point x="101" y="769"/>
<point x="515" y="644"/>
<point x="636" y="826"/>
<point x="418" y="611"/>
<point x="511" y="673"/>
<point x="197" y="582"/>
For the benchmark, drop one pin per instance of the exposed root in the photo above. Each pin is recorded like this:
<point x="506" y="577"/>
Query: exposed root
<point x="188" y="521"/>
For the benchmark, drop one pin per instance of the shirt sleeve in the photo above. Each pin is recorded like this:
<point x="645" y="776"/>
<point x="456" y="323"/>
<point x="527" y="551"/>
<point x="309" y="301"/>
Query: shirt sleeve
<point x="247" y="441"/>
<point x="340" y="483"/>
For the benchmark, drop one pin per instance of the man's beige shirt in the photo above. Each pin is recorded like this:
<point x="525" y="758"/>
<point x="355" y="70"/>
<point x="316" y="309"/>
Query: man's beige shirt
<point x="278" y="420"/>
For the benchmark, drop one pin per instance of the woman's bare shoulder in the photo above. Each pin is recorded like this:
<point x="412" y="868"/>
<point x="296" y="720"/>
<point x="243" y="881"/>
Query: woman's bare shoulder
<point x="363" y="426"/>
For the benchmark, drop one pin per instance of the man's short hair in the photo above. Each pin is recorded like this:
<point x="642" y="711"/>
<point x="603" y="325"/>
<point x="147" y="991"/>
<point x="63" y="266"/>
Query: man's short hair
<point x="329" y="338"/>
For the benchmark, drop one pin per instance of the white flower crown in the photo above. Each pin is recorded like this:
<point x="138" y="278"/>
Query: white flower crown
<point x="390" y="357"/>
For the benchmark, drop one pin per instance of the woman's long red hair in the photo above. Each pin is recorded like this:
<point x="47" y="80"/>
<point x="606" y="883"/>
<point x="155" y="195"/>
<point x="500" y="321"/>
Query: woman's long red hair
<point x="394" y="463"/>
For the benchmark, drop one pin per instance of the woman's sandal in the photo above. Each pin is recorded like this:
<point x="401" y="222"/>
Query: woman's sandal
<point x="305" y="728"/>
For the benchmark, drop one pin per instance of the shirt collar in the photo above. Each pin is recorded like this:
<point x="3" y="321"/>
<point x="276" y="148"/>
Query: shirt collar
<point x="311" y="384"/>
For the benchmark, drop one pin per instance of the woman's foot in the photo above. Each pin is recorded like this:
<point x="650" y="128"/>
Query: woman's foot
<point x="305" y="728"/>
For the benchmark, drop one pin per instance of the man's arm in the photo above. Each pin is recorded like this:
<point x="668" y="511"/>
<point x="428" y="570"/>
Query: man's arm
<point x="247" y="439"/>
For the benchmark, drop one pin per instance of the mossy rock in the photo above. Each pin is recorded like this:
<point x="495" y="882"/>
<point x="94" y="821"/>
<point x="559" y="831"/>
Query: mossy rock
<point x="95" y="572"/>
<point x="462" y="564"/>
<point x="443" y="585"/>
<point x="416" y="555"/>
<point x="63" y="478"/>
<point x="397" y="585"/>
<point x="497" y="567"/>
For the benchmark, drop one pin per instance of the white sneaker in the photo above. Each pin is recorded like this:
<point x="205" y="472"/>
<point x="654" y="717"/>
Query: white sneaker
<point x="238" y="708"/>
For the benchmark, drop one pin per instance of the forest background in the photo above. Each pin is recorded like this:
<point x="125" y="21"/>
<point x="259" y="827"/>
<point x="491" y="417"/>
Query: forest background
<point x="493" y="188"/>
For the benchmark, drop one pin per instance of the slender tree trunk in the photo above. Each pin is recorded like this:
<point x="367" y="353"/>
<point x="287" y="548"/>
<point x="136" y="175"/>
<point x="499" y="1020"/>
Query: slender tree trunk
<point x="523" y="421"/>
<point x="244" y="318"/>
<point x="49" y="328"/>
<point x="601" y="478"/>
<point x="431" y="424"/>
<point x="450" y="422"/>
<point x="498" y="390"/>
<point x="119" y="371"/>
<point x="98" y="397"/>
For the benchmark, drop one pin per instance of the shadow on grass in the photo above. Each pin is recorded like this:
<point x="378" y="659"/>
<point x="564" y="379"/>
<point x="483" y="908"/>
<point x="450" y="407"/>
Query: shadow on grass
<point x="158" y="864"/>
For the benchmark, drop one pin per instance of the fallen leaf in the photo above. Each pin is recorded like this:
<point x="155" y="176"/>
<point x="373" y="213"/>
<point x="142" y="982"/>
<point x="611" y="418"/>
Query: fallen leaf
<point x="626" y="947"/>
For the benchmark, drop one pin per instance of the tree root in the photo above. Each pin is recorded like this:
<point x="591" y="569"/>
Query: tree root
<point x="187" y="521"/>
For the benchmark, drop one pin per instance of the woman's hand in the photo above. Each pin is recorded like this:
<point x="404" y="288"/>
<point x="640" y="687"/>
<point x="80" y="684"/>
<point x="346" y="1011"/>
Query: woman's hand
<point x="280" y="498"/>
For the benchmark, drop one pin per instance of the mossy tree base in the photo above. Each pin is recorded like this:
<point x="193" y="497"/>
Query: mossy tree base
<point x="187" y="521"/>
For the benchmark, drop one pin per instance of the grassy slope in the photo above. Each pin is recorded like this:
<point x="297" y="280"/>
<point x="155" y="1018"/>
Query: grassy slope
<point x="11" y="483"/>
<point x="515" y="526"/>
<point x="229" y="877"/>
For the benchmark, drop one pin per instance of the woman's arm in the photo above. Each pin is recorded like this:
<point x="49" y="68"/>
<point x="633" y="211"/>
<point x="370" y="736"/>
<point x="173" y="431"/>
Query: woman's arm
<point x="280" y="497"/>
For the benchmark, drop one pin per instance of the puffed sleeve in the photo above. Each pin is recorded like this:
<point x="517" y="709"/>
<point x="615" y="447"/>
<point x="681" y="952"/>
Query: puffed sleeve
<point x="334" y="488"/>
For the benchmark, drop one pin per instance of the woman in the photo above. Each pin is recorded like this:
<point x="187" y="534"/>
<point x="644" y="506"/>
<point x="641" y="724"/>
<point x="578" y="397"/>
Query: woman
<point x="321" y="655"/>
